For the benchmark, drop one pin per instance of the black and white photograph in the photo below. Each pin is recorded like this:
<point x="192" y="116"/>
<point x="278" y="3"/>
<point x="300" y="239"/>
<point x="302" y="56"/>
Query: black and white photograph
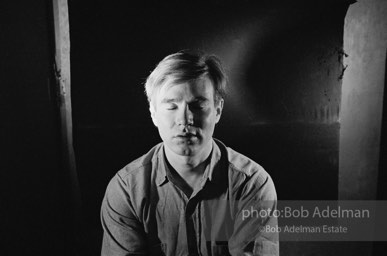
<point x="181" y="128"/>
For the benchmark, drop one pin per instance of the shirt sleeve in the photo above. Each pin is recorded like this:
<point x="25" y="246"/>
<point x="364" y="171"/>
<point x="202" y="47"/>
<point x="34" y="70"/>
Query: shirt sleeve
<point x="255" y="223"/>
<point x="123" y="233"/>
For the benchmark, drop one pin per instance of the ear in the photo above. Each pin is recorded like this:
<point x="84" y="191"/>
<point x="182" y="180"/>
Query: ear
<point x="218" y="109"/>
<point x="152" y="111"/>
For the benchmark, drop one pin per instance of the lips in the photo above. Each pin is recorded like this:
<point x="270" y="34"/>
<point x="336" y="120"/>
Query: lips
<point x="185" y="135"/>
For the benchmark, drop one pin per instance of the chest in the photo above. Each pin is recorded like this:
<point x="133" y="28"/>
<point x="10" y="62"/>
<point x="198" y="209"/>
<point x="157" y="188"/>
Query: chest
<point x="178" y="223"/>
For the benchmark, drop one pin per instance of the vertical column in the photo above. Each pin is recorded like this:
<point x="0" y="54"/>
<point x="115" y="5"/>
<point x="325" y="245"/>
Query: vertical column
<point x="365" y="43"/>
<point x="62" y="73"/>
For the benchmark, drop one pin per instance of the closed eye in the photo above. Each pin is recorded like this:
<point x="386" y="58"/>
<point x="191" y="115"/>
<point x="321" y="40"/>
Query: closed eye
<point x="171" y="106"/>
<point x="198" y="105"/>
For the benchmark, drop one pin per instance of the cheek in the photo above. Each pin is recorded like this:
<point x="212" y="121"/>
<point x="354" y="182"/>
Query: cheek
<point x="164" y="120"/>
<point x="208" y="121"/>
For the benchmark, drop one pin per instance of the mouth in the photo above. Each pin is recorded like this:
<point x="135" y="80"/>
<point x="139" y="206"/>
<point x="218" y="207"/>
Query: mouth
<point x="185" y="135"/>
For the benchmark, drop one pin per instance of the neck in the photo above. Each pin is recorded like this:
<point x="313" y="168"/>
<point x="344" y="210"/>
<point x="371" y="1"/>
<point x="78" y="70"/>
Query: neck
<point x="188" y="166"/>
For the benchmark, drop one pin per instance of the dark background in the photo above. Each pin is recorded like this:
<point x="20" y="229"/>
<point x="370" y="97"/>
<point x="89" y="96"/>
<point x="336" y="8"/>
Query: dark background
<point x="284" y="63"/>
<point x="32" y="188"/>
<point x="285" y="67"/>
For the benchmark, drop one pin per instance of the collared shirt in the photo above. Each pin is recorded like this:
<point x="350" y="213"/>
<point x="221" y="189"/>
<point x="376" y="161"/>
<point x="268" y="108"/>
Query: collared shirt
<point x="146" y="211"/>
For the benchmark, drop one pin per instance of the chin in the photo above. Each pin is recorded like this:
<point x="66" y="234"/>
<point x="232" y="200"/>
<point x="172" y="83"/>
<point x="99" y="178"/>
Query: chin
<point x="184" y="151"/>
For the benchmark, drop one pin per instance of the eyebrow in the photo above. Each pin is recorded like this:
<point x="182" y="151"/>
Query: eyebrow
<point x="173" y="100"/>
<point x="168" y="100"/>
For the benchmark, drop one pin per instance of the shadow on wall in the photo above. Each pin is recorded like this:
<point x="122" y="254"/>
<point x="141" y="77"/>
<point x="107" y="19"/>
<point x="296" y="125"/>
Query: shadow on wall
<point x="284" y="63"/>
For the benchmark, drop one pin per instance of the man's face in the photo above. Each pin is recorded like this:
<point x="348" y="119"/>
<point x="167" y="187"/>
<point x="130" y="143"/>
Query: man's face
<point x="185" y="115"/>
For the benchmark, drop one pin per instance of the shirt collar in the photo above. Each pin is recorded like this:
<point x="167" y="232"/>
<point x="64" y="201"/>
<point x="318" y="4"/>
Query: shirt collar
<point x="218" y="168"/>
<point x="214" y="159"/>
<point x="160" y="165"/>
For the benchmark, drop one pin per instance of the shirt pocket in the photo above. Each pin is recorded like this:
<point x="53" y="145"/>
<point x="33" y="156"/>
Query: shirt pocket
<point x="220" y="249"/>
<point x="158" y="249"/>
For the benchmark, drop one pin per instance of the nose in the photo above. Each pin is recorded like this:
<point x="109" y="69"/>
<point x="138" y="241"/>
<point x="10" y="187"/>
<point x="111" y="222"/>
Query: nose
<point x="185" y="116"/>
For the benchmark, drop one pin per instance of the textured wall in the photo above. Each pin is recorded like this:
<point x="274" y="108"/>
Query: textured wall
<point x="365" y="42"/>
<point x="32" y="181"/>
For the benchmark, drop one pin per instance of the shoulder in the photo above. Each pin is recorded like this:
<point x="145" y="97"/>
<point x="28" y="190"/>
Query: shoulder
<point x="246" y="174"/>
<point x="243" y="164"/>
<point x="128" y="189"/>
<point x="141" y="164"/>
<point x="137" y="174"/>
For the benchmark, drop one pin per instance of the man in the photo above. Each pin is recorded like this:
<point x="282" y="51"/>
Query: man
<point x="190" y="194"/>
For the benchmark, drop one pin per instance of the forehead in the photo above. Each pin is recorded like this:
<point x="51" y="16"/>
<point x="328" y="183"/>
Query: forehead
<point x="200" y="88"/>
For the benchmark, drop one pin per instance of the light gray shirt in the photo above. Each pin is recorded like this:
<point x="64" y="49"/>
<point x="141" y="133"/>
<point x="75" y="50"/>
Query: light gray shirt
<point x="148" y="211"/>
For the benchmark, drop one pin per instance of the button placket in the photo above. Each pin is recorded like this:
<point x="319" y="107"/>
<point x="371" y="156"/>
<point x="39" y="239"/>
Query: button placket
<point x="190" y="225"/>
